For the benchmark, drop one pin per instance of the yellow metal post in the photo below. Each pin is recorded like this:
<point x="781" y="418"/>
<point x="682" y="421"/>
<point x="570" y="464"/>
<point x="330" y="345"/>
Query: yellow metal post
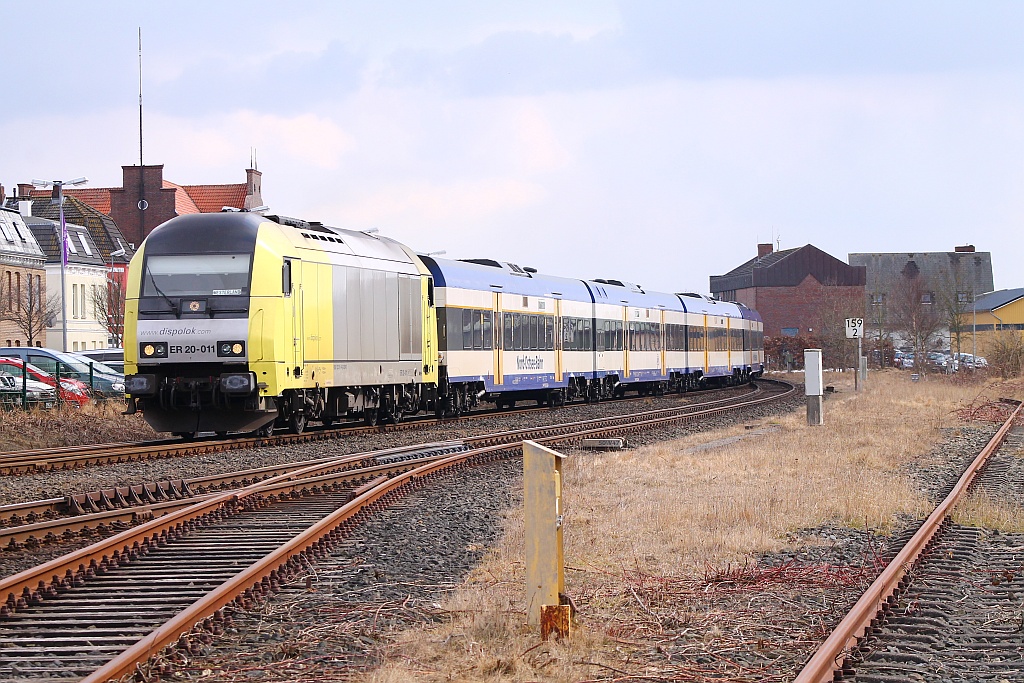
<point x="542" y="498"/>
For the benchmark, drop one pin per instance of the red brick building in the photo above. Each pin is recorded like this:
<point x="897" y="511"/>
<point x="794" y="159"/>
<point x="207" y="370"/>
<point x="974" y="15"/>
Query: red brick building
<point x="798" y="292"/>
<point x="145" y="199"/>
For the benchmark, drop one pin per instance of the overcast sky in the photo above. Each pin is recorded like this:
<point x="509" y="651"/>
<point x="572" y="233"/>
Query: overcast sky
<point x="656" y="142"/>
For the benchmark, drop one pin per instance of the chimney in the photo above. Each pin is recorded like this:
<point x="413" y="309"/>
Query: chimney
<point x="3" y="195"/>
<point x="253" y="191"/>
<point x="965" y="249"/>
<point x="25" y="207"/>
<point x="25" y="190"/>
<point x="764" y="249"/>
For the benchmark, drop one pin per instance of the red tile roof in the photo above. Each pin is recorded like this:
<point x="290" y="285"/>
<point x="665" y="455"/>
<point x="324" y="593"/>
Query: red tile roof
<point x="183" y="204"/>
<point x="96" y="197"/>
<point x="187" y="198"/>
<point x="212" y="198"/>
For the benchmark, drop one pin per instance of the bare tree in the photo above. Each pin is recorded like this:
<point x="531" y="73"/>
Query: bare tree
<point x="955" y="301"/>
<point x="28" y="308"/>
<point x="108" y="304"/>
<point x="915" y="314"/>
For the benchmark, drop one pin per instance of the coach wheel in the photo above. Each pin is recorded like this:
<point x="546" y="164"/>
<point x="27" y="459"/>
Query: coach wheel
<point x="557" y="399"/>
<point x="186" y="436"/>
<point x="297" y="422"/>
<point x="327" y="421"/>
<point x="370" y="417"/>
<point x="221" y="435"/>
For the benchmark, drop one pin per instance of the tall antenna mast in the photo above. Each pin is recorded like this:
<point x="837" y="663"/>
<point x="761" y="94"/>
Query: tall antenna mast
<point x="140" y="97"/>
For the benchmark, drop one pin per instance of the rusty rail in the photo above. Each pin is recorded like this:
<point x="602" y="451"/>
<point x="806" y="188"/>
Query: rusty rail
<point x="73" y="457"/>
<point x="36" y="585"/>
<point x="834" y="652"/>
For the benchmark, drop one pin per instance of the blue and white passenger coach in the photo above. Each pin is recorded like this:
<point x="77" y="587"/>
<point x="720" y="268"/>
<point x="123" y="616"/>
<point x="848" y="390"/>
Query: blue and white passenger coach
<point x="507" y="333"/>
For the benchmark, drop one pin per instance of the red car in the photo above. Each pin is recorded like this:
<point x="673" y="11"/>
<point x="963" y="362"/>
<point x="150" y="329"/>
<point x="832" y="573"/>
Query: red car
<point x="71" y="390"/>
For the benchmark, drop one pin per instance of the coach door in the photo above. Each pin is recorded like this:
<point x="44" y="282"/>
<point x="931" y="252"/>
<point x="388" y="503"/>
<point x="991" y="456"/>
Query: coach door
<point x="557" y="341"/>
<point x="707" y="344"/>
<point x="664" y="371"/>
<point x="291" y="283"/>
<point x="627" y="339"/>
<point x="498" y="332"/>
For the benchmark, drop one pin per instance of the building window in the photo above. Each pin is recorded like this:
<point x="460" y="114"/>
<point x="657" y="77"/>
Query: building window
<point x="17" y="289"/>
<point x="963" y="297"/>
<point x="878" y="299"/>
<point x="790" y="331"/>
<point x="82" y="308"/>
<point x="927" y="298"/>
<point x="74" y="301"/>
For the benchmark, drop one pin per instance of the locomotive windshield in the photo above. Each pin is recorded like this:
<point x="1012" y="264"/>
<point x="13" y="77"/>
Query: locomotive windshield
<point x="197" y="275"/>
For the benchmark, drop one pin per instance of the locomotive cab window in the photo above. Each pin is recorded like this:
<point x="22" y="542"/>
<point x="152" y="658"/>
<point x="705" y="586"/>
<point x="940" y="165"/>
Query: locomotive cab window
<point x="197" y="275"/>
<point x="286" y="277"/>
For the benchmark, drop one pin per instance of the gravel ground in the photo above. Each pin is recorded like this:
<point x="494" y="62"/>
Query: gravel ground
<point x="391" y="573"/>
<point x="773" y="613"/>
<point x="22" y="488"/>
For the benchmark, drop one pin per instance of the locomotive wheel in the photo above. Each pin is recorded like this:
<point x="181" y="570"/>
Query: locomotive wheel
<point x="266" y="430"/>
<point x="370" y="417"/>
<point x="297" y="422"/>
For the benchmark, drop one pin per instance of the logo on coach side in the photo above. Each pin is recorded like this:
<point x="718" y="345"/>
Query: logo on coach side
<point x="193" y="306"/>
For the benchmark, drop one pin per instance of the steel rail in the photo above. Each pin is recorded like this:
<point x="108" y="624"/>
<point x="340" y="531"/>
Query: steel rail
<point x="119" y="511"/>
<point x="30" y="587"/>
<point x="73" y="457"/>
<point x="125" y="497"/>
<point x="835" y="651"/>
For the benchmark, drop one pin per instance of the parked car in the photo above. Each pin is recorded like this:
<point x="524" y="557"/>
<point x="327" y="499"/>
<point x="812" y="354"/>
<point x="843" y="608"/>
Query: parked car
<point x="112" y="358"/>
<point x="36" y="394"/>
<point x="102" y="384"/>
<point x="970" y="361"/>
<point x="71" y="390"/>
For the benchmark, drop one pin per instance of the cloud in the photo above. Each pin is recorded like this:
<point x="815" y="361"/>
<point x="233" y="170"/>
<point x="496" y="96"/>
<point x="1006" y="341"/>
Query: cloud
<point x="305" y="141"/>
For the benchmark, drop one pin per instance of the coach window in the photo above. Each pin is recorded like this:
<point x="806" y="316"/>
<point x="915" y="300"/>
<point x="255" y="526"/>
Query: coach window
<point x="507" y="332"/>
<point x="517" y="335"/>
<point x="488" y="332"/>
<point x="467" y="328"/>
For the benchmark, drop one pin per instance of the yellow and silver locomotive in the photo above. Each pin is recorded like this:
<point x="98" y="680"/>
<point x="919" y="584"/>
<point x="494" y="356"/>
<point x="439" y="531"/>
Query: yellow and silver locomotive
<point x="235" y="321"/>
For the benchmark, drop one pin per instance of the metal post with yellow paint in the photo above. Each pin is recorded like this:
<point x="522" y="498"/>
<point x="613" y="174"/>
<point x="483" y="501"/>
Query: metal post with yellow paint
<point x="542" y="506"/>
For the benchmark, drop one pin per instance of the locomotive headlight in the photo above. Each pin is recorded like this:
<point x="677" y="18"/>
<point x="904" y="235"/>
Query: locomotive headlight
<point x="153" y="350"/>
<point x="230" y="349"/>
<point x="240" y="383"/>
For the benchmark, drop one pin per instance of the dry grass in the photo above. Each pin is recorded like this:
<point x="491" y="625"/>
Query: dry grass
<point x="670" y="515"/>
<point x="97" y="422"/>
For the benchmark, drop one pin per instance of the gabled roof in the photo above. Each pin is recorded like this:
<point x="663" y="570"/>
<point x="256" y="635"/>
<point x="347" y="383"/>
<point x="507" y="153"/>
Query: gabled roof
<point x="187" y="198"/>
<point x="998" y="299"/>
<point x="213" y="198"/>
<point x="46" y="233"/>
<point x="104" y="231"/>
<point x="183" y="204"/>
<point x="788" y="268"/>
<point x="759" y="262"/>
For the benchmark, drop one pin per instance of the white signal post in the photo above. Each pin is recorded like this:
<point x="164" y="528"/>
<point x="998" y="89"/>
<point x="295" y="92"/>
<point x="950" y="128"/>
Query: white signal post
<point x="855" y="330"/>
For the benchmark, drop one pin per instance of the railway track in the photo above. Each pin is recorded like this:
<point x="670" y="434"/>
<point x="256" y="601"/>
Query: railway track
<point x="74" y="457"/>
<point x="948" y="607"/>
<point x="106" y="510"/>
<point x="100" y="611"/>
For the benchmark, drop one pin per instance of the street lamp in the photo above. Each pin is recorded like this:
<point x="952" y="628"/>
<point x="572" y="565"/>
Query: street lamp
<point x="113" y="298"/>
<point x="57" y="197"/>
